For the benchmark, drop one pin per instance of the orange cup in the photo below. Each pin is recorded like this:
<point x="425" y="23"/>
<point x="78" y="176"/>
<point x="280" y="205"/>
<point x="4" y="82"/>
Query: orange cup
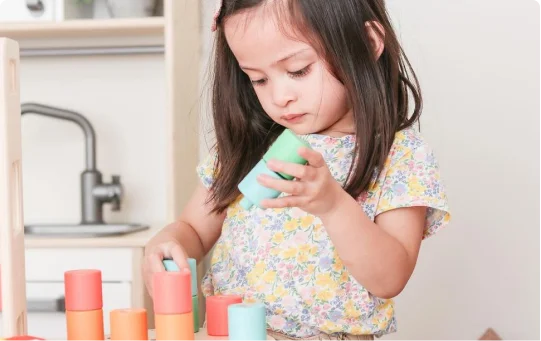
<point x="129" y="324"/>
<point x="84" y="314"/>
<point x="174" y="326"/>
<point x="85" y="325"/>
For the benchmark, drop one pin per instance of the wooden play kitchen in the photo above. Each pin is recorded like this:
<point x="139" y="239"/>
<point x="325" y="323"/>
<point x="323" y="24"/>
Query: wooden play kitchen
<point x="175" y="291"/>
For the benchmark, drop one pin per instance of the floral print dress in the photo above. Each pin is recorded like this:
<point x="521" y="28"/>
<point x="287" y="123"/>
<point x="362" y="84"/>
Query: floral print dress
<point x="285" y="258"/>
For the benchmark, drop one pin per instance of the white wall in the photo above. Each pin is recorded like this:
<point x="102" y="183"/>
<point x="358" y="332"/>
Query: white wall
<point x="207" y="44"/>
<point x="478" y="62"/>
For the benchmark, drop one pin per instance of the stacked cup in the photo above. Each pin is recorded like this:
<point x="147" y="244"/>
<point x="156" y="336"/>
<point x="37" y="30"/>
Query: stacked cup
<point x="84" y="310"/>
<point x="84" y="304"/>
<point x="173" y="313"/>
<point x="170" y="265"/>
<point x="129" y="324"/>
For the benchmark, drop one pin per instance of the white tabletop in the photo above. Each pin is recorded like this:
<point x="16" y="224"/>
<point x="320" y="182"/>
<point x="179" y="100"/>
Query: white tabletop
<point x="199" y="336"/>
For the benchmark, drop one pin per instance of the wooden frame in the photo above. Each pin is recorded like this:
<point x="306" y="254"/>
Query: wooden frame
<point x="13" y="279"/>
<point x="182" y="59"/>
<point x="83" y="28"/>
<point x="182" y="55"/>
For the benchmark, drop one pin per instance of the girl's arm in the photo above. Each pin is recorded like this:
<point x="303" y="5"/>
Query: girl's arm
<point x="380" y="255"/>
<point x="196" y="231"/>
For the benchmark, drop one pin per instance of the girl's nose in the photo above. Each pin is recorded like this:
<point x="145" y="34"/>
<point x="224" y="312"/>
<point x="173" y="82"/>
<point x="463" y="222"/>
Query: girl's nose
<point x="282" y="95"/>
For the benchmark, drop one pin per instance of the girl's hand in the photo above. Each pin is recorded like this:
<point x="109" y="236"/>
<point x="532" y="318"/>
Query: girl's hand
<point x="155" y="254"/>
<point x="314" y="190"/>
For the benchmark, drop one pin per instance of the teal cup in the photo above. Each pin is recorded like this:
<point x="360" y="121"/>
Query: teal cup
<point x="253" y="191"/>
<point x="285" y="148"/>
<point x="247" y="321"/>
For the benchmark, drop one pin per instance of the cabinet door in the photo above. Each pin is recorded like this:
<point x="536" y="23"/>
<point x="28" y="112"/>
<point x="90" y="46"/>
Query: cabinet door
<point x="46" y="316"/>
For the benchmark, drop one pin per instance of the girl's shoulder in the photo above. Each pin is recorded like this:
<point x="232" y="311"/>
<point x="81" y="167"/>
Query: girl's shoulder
<point x="206" y="168"/>
<point x="411" y="177"/>
<point x="407" y="141"/>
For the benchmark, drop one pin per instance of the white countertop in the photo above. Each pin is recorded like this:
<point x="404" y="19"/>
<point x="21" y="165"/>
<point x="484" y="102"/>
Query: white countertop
<point x="136" y="239"/>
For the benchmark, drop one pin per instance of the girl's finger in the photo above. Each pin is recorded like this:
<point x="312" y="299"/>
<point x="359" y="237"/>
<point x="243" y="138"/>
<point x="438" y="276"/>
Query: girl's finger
<point x="313" y="157"/>
<point x="281" y="202"/>
<point x="286" y="186"/>
<point x="155" y="260"/>
<point x="180" y="258"/>
<point x="293" y="169"/>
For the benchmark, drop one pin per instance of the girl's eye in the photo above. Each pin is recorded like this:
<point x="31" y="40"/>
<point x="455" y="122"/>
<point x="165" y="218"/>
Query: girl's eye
<point x="301" y="72"/>
<point x="258" y="82"/>
<point x="295" y="74"/>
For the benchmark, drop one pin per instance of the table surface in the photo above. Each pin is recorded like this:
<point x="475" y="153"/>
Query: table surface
<point x="200" y="335"/>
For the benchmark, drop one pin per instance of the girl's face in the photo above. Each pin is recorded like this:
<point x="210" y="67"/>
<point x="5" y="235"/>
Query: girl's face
<point x="292" y="83"/>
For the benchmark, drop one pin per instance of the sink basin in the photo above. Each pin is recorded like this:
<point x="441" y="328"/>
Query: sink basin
<point x="82" y="231"/>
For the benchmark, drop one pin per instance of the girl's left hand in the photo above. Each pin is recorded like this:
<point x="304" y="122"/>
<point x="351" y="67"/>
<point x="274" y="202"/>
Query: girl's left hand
<point x="314" y="190"/>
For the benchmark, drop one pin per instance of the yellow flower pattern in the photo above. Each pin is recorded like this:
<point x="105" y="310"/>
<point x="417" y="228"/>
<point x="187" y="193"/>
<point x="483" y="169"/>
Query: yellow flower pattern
<point x="285" y="258"/>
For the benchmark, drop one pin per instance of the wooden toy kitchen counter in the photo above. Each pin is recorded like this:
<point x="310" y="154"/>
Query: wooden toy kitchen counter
<point x="175" y="308"/>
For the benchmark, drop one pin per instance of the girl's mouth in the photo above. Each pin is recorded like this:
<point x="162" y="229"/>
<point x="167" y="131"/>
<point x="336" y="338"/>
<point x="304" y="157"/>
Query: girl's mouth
<point x="293" y="118"/>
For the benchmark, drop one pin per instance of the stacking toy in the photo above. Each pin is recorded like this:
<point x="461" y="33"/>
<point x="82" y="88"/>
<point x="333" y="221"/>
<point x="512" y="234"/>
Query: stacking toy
<point x="284" y="149"/>
<point x="173" y="313"/>
<point x="217" y="320"/>
<point x="195" y="308"/>
<point x="170" y="265"/>
<point x="193" y="270"/>
<point x="247" y="321"/>
<point x="13" y="303"/>
<point x="84" y="305"/>
<point x="129" y="324"/>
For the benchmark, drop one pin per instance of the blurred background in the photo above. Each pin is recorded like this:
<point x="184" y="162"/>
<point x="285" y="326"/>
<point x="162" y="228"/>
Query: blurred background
<point x="137" y="73"/>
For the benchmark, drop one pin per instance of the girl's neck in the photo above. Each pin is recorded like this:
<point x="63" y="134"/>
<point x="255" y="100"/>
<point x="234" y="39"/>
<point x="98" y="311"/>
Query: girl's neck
<point x="335" y="133"/>
<point x="343" y="127"/>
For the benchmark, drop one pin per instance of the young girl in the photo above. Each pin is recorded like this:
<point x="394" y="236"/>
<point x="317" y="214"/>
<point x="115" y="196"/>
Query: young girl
<point x="329" y="254"/>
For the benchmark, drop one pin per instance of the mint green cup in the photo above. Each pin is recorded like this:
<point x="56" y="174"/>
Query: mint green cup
<point x="285" y="149"/>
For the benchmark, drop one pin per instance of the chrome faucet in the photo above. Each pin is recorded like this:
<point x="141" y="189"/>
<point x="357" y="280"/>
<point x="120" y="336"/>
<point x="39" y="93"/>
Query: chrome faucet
<point x="94" y="193"/>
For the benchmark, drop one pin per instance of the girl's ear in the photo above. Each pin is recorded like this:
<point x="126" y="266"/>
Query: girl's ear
<point x="376" y="34"/>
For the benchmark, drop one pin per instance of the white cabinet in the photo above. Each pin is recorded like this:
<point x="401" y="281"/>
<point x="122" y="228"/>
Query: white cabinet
<point x="49" y="264"/>
<point x="122" y="285"/>
<point x="52" y="324"/>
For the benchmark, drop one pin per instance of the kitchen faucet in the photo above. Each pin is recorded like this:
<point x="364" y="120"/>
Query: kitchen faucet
<point x="94" y="192"/>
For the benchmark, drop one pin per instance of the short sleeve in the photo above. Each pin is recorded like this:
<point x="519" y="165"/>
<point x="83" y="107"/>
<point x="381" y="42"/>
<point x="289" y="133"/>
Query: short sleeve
<point x="415" y="180"/>
<point x="205" y="169"/>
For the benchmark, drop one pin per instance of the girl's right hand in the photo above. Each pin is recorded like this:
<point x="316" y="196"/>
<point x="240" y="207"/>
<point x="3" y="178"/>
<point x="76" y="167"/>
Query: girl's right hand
<point x="154" y="255"/>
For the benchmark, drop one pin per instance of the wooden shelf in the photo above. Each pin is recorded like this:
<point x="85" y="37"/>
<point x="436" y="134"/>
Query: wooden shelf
<point x="86" y="28"/>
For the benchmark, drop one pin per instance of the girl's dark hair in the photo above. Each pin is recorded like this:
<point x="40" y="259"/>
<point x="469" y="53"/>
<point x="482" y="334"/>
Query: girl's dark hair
<point x="377" y="89"/>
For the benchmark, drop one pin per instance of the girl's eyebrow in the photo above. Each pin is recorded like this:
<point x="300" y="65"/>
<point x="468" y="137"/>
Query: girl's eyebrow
<point x="283" y="59"/>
